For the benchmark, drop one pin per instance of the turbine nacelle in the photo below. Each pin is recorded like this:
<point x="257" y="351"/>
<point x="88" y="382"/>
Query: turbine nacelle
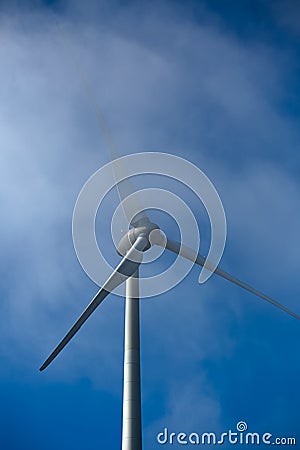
<point x="146" y="229"/>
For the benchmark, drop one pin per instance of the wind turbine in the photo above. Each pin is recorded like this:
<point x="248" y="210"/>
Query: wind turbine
<point x="141" y="236"/>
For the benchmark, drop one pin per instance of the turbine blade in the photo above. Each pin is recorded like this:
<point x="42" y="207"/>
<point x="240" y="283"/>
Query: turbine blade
<point x="125" y="187"/>
<point x="124" y="270"/>
<point x="188" y="253"/>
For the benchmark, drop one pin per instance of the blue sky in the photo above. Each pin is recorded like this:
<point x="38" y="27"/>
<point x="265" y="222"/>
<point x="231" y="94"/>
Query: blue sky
<point x="215" y="84"/>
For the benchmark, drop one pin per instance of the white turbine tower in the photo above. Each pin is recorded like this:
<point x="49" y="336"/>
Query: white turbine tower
<point x="137" y="240"/>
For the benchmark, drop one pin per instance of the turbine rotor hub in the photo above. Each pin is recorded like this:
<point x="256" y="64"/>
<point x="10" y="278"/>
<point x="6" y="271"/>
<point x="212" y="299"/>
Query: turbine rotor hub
<point x="143" y="229"/>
